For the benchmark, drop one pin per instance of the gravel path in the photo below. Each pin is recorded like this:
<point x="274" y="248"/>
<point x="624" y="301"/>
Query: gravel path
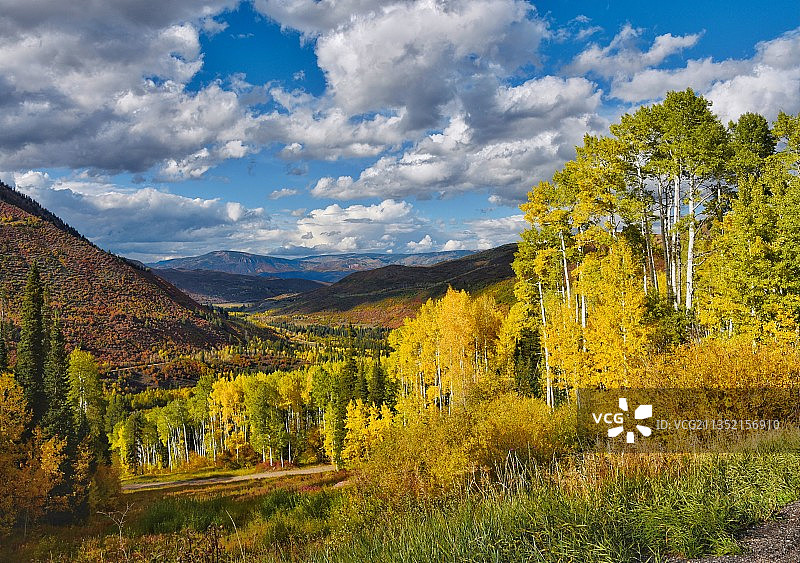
<point x="234" y="479"/>
<point x="775" y="541"/>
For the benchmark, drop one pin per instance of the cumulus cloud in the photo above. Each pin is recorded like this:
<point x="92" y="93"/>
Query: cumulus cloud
<point x="381" y="225"/>
<point x="424" y="245"/>
<point x="103" y="85"/>
<point x="438" y="48"/>
<point x="314" y="128"/>
<point x="767" y="82"/>
<point x="505" y="143"/>
<point x="283" y="192"/>
<point x="624" y="56"/>
<point x="454" y="245"/>
<point x="488" y="233"/>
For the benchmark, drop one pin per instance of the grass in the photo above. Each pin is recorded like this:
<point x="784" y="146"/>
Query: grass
<point x="187" y="522"/>
<point x="589" y="507"/>
<point x="570" y="517"/>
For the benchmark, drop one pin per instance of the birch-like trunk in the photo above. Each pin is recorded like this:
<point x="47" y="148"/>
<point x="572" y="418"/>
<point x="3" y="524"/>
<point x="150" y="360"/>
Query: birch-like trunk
<point x="676" y="240"/>
<point x="548" y="390"/>
<point x="566" y="271"/>
<point x="663" y="219"/>
<point x="690" y="252"/>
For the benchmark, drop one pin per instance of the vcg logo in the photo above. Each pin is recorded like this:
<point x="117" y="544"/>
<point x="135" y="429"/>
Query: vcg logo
<point x="618" y="418"/>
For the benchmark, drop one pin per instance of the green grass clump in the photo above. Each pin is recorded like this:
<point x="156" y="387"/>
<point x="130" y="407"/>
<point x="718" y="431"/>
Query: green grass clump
<point x="629" y="517"/>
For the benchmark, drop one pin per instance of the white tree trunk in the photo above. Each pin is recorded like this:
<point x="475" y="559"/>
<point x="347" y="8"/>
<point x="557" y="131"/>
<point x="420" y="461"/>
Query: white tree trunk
<point x="676" y="240"/>
<point x="690" y="253"/>
<point x="566" y="270"/>
<point x="548" y="390"/>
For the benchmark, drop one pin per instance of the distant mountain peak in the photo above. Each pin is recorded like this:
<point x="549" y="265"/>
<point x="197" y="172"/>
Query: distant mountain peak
<point x="322" y="267"/>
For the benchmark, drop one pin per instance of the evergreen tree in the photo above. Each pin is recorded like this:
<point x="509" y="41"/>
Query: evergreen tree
<point x="57" y="419"/>
<point x="377" y="387"/>
<point x="133" y="440"/>
<point x="346" y="386"/>
<point x="30" y="352"/>
<point x="527" y="357"/>
<point x="118" y="409"/>
<point x="363" y="388"/>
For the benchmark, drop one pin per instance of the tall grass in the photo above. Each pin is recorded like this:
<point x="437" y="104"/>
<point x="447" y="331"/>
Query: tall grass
<point x="630" y="514"/>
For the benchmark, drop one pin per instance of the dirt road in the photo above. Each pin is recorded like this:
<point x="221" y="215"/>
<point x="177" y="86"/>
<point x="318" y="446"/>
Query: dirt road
<point x="231" y="479"/>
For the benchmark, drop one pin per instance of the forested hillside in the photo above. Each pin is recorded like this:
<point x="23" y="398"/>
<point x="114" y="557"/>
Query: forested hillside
<point x="386" y="295"/>
<point x="107" y="306"/>
<point x="207" y="286"/>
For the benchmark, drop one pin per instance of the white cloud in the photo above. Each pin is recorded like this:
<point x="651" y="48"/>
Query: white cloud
<point x="504" y="143"/>
<point x="767" y="82"/>
<point x="622" y="56"/>
<point x="424" y="245"/>
<point x="454" y="245"/>
<point x="416" y="56"/>
<point x="488" y="233"/>
<point x="652" y="84"/>
<point x="103" y="86"/>
<point x="283" y="192"/>
<point x="377" y="227"/>
<point x="315" y="128"/>
<point x="212" y="26"/>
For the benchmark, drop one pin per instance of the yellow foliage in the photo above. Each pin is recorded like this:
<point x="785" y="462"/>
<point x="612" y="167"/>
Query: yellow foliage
<point x="366" y="427"/>
<point x="449" y="349"/>
<point x="737" y="362"/>
<point x="612" y="345"/>
<point x="29" y="468"/>
<point x="521" y="427"/>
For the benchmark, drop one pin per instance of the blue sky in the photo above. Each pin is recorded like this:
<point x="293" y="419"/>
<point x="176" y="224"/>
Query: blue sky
<point x="298" y="127"/>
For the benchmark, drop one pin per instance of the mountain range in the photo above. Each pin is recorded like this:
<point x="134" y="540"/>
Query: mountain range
<point x="124" y="311"/>
<point x="323" y="268"/>
<point x="384" y="296"/>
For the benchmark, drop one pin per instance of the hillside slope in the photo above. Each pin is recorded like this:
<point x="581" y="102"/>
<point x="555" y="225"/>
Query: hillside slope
<point x="400" y="289"/>
<point x="117" y="311"/>
<point x="208" y="286"/>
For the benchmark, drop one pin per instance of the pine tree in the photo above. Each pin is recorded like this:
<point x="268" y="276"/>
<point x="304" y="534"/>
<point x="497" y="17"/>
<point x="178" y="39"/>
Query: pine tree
<point x="377" y="387"/>
<point x="133" y="440"/>
<point x="30" y="352"/>
<point x="363" y="388"/>
<point x="57" y="419"/>
<point x="346" y="385"/>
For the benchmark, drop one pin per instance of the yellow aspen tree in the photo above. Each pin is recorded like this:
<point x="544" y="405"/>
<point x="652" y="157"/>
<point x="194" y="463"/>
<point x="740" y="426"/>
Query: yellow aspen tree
<point x="564" y="337"/>
<point x="355" y="441"/>
<point x="616" y="335"/>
